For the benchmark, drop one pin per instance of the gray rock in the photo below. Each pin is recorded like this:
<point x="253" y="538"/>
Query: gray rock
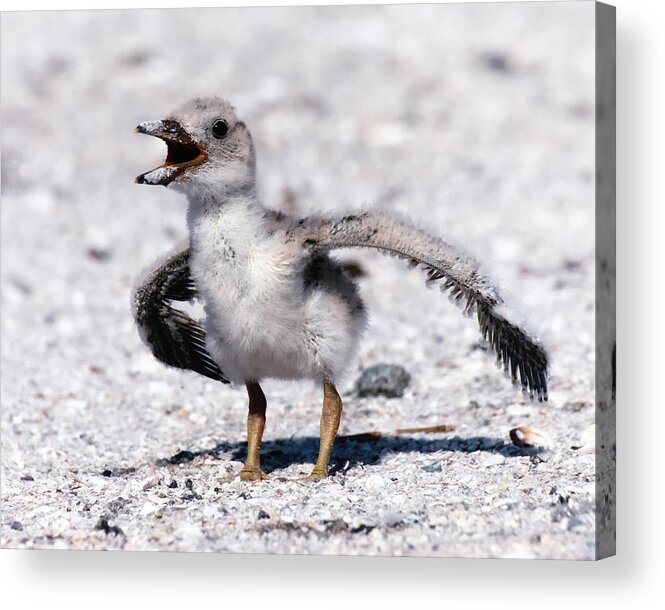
<point x="383" y="380"/>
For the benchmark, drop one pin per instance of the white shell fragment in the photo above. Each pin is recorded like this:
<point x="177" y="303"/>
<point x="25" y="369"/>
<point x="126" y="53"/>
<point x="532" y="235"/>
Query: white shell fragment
<point x="151" y="482"/>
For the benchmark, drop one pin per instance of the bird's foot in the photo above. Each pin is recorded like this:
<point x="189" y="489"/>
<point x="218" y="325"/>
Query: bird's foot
<point x="252" y="473"/>
<point x="318" y="474"/>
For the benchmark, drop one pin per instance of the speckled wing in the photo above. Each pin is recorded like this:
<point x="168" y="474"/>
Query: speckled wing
<point x="172" y="336"/>
<point x="518" y="352"/>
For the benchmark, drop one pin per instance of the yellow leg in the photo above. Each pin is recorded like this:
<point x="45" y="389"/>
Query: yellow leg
<point x="256" y="422"/>
<point x="330" y="417"/>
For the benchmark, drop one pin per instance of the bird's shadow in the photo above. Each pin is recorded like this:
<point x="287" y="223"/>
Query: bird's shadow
<point x="353" y="450"/>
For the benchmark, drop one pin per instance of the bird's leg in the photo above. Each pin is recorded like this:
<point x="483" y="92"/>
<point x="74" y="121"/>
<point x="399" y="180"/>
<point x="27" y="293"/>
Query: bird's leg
<point x="256" y="422"/>
<point x="330" y="416"/>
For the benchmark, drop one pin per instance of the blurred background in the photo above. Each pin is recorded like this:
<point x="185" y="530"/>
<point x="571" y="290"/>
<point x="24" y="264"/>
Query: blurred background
<point x="476" y="120"/>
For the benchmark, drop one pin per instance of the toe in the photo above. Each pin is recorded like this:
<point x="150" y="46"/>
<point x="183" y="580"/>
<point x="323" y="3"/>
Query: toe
<point x="318" y="474"/>
<point x="252" y="474"/>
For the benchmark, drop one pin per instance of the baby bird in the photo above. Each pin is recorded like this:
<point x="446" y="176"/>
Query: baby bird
<point x="276" y="304"/>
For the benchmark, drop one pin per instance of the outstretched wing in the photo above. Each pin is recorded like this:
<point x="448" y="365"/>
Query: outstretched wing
<point x="172" y="336"/>
<point x="519" y="353"/>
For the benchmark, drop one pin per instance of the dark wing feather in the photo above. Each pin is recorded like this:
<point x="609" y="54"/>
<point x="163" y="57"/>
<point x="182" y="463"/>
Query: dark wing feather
<point x="519" y="353"/>
<point x="172" y="336"/>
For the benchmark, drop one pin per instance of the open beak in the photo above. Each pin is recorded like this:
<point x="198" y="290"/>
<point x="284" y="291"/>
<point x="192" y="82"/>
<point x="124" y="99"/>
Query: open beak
<point x="183" y="151"/>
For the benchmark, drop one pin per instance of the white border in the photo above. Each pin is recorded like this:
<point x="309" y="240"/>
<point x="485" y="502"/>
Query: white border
<point x="634" y="578"/>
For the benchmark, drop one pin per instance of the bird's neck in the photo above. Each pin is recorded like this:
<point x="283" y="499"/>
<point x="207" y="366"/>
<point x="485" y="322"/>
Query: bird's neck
<point x="228" y="227"/>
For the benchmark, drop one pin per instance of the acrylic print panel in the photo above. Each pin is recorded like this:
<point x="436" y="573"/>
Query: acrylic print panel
<point x="473" y="123"/>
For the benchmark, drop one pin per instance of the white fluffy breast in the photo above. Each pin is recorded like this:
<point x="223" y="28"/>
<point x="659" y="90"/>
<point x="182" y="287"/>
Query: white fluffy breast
<point x="263" y="320"/>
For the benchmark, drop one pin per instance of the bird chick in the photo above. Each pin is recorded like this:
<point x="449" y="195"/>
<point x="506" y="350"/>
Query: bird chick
<point x="276" y="304"/>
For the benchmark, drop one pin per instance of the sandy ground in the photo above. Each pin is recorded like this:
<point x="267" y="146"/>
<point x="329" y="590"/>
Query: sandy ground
<point x="477" y="121"/>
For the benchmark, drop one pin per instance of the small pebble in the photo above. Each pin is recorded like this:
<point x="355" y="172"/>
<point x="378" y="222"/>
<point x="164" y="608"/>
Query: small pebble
<point x="374" y="482"/>
<point x="151" y="482"/>
<point x="107" y="528"/>
<point x="100" y="255"/>
<point x="529" y="437"/>
<point x="383" y="380"/>
<point x="497" y="62"/>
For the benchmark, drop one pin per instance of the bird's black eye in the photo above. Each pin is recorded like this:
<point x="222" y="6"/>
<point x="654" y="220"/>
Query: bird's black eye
<point x="220" y="128"/>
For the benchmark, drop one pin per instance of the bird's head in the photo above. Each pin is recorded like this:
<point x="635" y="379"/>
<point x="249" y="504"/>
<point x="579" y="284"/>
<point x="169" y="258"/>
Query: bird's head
<point x="208" y="149"/>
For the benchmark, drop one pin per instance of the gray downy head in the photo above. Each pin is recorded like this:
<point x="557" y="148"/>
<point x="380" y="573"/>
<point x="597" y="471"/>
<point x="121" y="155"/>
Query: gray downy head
<point x="209" y="151"/>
